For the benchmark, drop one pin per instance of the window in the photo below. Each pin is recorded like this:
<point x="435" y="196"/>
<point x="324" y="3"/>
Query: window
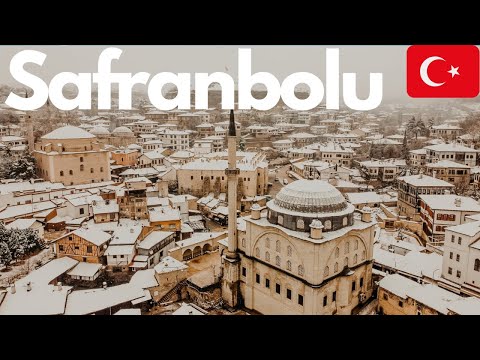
<point x="355" y="246"/>
<point x="459" y="273"/>
<point x="385" y="296"/>
<point x="335" y="268"/>
<point x="300" y="224"/>
<point x="277" y="246"/>
<point x="91" y="170"/>
<point x="476" y="266"/>
<point x="89" y="249"/>
<point x="267" y="256"/>
<point x="453" y="238"/>
<point x="355" y="258"/>
<point x="289" y="265"/>
<point x="70" y="238"/>
<point x="458" y="257"/>
<point x="257" y="252"/>
<point x="301" y="270"/>
<point x="328" y="225"/>
<point x="363" y="255"/>
<point x="354" y="285"/>
<point x="267" y="243"/>
<point x="123" y="257"/>
<point x="243" y="242"/>
<point x="449" y="271"/>
<point x="325" y="300"/>
<point x="347" y="247"/>
<point x="257" y="278"/>
<point x="400" y="303"/>
<point x="451" y="255"/>
<point x="70" y="172"/>
<point x="345" y="262"/>
<point x="277" y="288"/>
<point x="101" y="169"/>
<point x="289" y="294"/>
<point x="114" y="256"/>
<point x="81" y="158"/>
<point x="326" y="271"/>
<point x="267" y="283"/>
<point x="151" y="261"/>
<point x="337" y="252"/>
<point x="277" y="260"/>
<point x="280" y="219"/>
<point x="289" y="250"/>
<point x="77" y="247"/>
<point x="459" y="240"/>
<point x="60" y="247"/>
<point x="244" y="271"/>
<point x="82" y="211"/>
<point x="61" y="173"/>
<point x="361" y="282"/>
<point x="300" y="300"/>
<point x="191" y="177"/>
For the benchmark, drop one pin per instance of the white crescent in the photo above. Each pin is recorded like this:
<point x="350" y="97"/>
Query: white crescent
<point x="424" y="71"/>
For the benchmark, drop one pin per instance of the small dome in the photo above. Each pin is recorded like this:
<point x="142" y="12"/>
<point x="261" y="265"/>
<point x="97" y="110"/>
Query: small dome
<point x="316" y="224"/>
<point x="122" y="131"/>
<point x="255" y="207"/>
<point x="99" y="131"/>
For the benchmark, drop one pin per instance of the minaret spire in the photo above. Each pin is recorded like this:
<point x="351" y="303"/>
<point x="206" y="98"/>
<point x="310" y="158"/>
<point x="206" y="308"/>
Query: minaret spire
<point x="231" y="260"/>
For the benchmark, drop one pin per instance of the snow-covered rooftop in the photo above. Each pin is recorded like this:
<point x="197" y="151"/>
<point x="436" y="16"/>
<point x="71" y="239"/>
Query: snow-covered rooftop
<point x="96" y="237"/>
<point x="85" y="269"/>
<point x="21" y="224"/>
<point x="48" y="272"/>
<point x="168" y="264"/>
<point x="153" y="239"/>
<point x="424" y="181"/>
<point x="451" y="202"/>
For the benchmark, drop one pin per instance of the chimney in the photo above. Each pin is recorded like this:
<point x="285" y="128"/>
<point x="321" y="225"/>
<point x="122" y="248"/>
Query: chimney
<point x="316" y="229"/>
<point x="366" y="214"/>
<point x="420" y="176"/>
<point x="256" y="210"/>
<point x="458" y="202"/>
<point x="104" y="285"/>
<point x="29" y="286"/>
<point x="13" y="290"/>
<point x="59" y="286"/>
<point x="85" y="226"/>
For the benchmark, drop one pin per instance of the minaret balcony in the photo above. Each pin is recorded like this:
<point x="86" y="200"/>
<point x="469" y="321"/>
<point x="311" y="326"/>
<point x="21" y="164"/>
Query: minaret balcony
<point x="232" y="171"/>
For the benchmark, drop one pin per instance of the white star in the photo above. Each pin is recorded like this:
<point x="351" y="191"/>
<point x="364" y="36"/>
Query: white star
<point x="453" y="70"/>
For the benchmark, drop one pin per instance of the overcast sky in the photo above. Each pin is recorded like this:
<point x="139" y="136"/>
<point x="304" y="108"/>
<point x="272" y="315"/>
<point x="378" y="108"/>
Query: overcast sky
<point x="278" y="60"/>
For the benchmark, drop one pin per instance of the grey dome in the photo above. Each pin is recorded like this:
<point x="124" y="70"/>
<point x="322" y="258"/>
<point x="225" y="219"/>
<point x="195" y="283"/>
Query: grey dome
<point x="310" y="196"/>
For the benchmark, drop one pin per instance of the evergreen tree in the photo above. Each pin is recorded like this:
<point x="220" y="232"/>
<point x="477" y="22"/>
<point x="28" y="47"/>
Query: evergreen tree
<point x="405" y="153"/>
<point x="5" y="254"/>
<point x="23" y="168"/>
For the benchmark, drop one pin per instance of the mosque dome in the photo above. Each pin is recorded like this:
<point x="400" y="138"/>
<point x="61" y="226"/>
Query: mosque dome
<point x="122" y="131"/>
<point x="99" y="131"/>
<point x="303" y="202"/>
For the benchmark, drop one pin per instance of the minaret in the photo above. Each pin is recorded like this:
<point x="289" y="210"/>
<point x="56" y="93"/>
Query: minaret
<point x="29" y="123"/>
<point x="231" y="263"/>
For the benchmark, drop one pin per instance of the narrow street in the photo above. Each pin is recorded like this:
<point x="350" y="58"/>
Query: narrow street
<point x="281" y="173"/>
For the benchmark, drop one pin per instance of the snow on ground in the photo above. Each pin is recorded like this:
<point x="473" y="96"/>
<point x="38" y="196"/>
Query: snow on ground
<point x="25" y="267"/>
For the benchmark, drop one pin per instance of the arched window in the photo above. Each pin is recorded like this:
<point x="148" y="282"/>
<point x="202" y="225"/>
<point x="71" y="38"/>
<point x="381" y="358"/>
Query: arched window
<point x="267" y="256"/>
<point x="267" y="243"/>
<point x="345" y="221"/>
<point x="289" y="265"/>
<point x="326" y="271"/>
<point x="355" y="259"/>
<point x="257" y="252"/>
<point x="91" y="170"/>
<point x="347" y="247"/>
<point x="355" y="246"/>
<point x="476" y="267"/>
<point x="337" y="252"/>
<point x="335" y="268"/>
<point x="61" y="173"/>
<point x="289" y="250"/>
<point x="101" y="168"/>
<point x="280" y="220"/>
<point x="277" y="246"/>
<point x="363" y="255"/>
<point x="328" y="225"/>
<point x="71" y="172"/>
<point x="81" y="158"/>
<point x="277" y="260"/>
<point x="345" y="262"/>
<point x="243" y="242"/>
<point x="301" y="270"/>
<point x="300" y="224"/>
<point x="82" y="167"/>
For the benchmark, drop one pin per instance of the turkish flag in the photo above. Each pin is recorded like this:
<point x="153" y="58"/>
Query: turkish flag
<point x="443" y="71"/>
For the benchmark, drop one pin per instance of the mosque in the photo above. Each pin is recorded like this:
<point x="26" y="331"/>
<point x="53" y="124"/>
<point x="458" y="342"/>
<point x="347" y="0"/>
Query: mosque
<point x="305" y="252"/>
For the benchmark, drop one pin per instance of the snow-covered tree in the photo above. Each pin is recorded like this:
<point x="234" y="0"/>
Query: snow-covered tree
<point x="23" y="168"/>
<point x="5" y="254"/>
